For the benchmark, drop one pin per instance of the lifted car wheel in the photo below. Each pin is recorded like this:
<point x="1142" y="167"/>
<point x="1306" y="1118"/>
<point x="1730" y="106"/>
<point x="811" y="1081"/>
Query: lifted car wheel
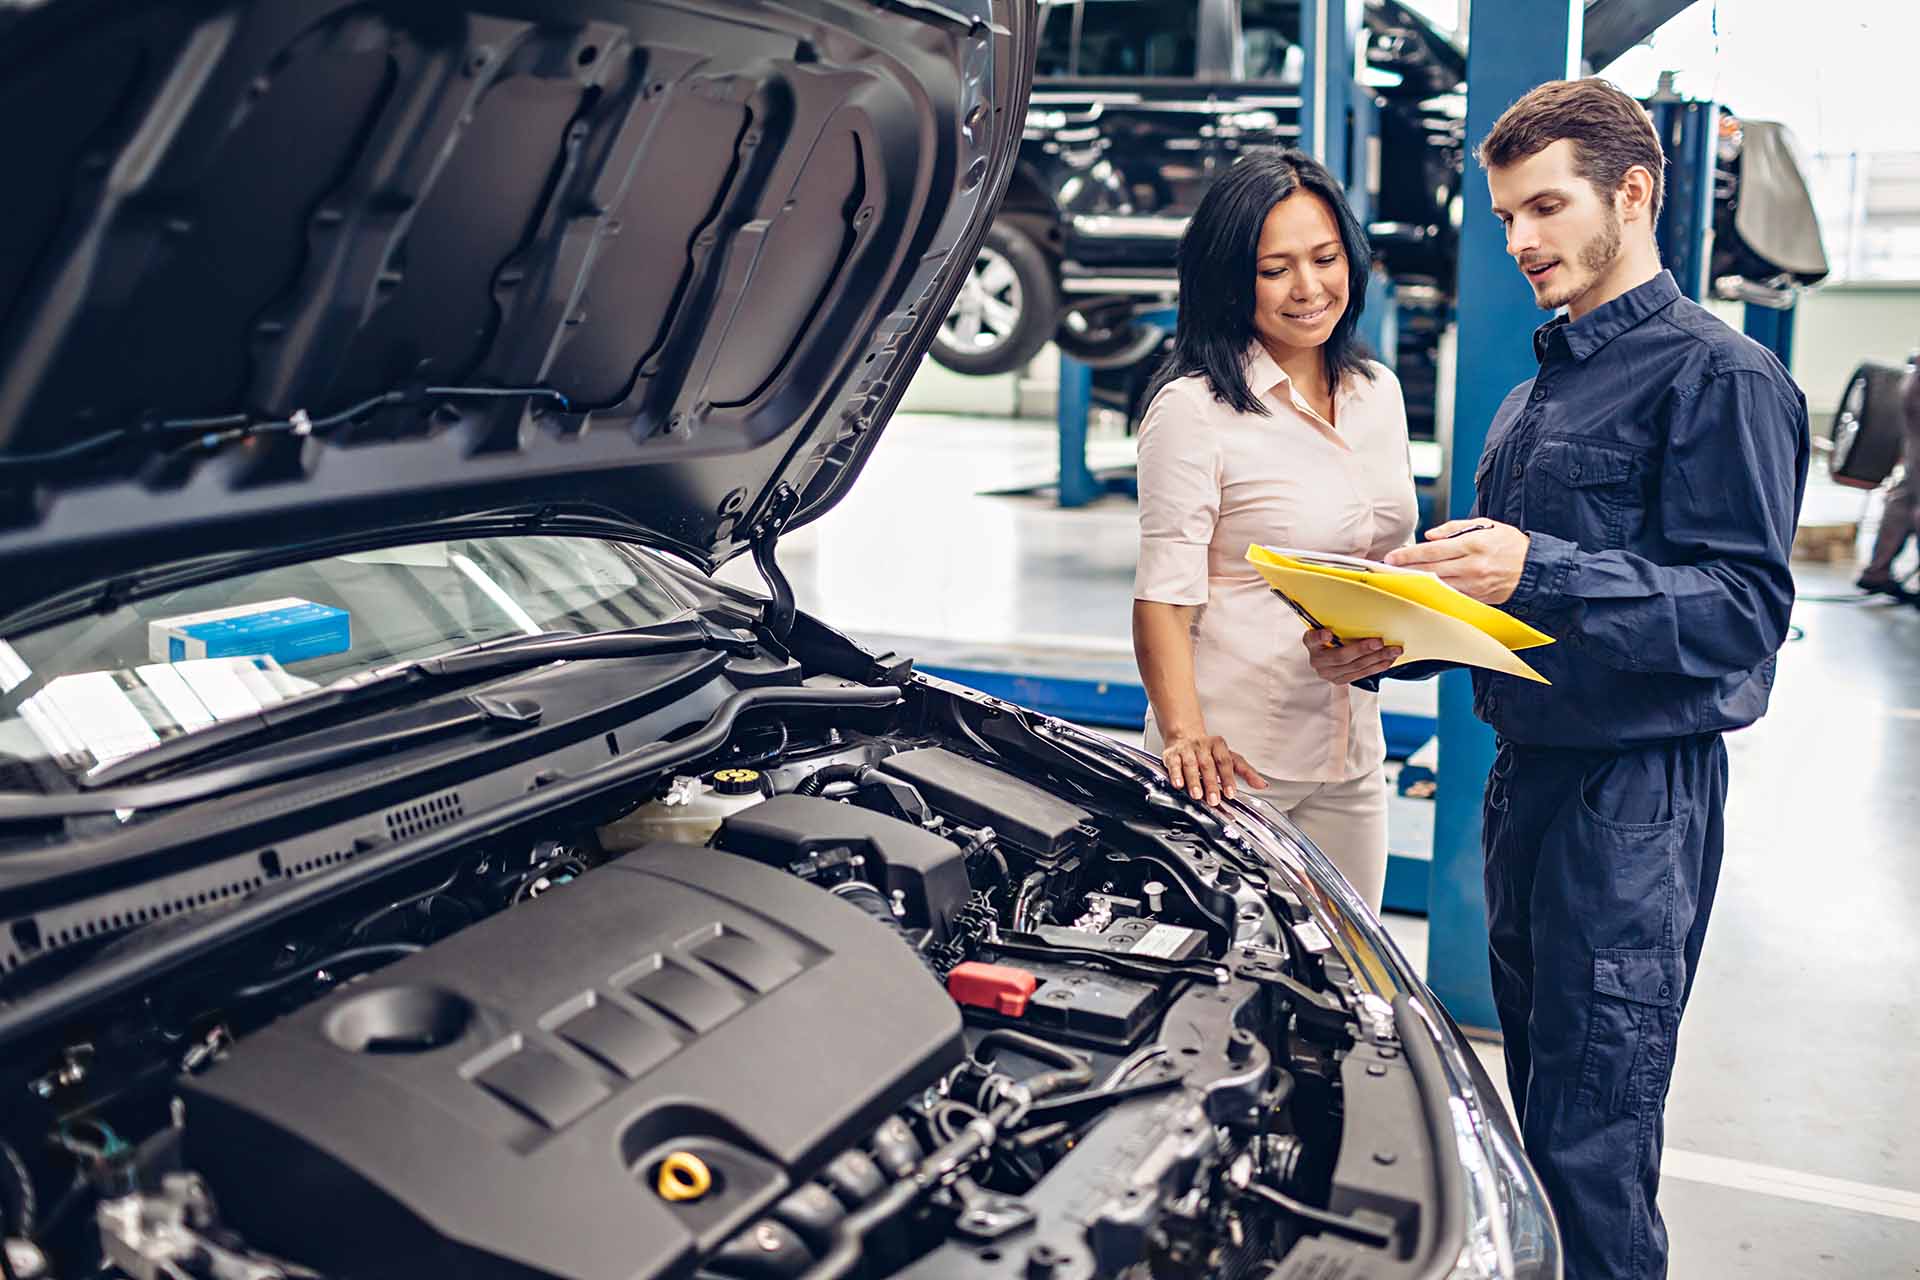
<point x="1004" y="312"/>
<point x="1108" y="335"/>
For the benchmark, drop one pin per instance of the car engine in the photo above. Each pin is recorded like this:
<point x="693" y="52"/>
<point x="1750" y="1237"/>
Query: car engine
<point x="858" y="994"/>
<point x="557" y="1057"/>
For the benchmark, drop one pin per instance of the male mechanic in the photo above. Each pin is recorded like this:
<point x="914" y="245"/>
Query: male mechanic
<point x="1637" y="499"/>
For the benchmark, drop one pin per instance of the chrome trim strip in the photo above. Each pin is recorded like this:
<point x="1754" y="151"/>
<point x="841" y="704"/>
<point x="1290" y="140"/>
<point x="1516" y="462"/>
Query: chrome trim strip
<point x="1147" y="285"/>
<point x="1258" y="100"/>
<point x="1060" y="99"/>
<point x="1106" y="226"/>
<point x="1091" y="100"/>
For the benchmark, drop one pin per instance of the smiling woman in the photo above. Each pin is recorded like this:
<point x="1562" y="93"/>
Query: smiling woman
<point x="1269" y="426"/>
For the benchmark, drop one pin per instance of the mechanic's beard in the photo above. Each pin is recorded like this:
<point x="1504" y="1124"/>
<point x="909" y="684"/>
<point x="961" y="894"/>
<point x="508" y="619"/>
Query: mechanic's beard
<point x="1596" y="256"/>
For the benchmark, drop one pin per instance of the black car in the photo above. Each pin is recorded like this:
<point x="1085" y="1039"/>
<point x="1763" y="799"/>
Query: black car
<point x="414" y="862"/>
<point x="1137" y="106"/>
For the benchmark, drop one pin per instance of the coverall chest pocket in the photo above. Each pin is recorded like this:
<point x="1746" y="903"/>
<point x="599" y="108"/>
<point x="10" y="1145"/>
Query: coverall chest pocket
<point x="1486" y="501"/>
<point x="1583" y="491"/>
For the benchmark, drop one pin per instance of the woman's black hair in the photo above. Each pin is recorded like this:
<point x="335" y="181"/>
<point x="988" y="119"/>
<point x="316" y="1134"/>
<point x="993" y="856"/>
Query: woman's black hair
<point x="1219" y="256"/>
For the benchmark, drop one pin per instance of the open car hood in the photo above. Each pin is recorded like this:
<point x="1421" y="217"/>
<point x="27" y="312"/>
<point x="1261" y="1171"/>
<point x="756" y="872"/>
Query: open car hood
<point x="296" y="270"/>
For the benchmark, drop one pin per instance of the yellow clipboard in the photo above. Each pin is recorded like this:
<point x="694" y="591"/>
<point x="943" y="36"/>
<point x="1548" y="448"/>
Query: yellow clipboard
<point x="1427" y="619"/>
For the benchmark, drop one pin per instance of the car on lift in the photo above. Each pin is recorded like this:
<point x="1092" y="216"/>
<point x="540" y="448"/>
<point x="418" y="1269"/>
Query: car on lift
<point x="1137" y="105"/>
<point x="414" y="860"/>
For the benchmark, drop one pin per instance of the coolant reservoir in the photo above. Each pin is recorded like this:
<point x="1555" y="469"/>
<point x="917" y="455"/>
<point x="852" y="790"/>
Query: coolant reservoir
<point x="689" y="813"/>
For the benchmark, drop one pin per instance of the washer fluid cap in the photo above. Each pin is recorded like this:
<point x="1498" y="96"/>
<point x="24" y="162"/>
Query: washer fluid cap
<point x="737" y="782"/>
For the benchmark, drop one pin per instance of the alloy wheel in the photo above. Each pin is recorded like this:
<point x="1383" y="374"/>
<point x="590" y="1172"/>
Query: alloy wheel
<point x="987" y="310"/>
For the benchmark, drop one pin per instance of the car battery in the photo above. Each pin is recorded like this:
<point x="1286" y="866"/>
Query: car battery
<point x="1085" y="1005"/>
<point x="1131" y="935"/>
<point x="1079" y="1004"/>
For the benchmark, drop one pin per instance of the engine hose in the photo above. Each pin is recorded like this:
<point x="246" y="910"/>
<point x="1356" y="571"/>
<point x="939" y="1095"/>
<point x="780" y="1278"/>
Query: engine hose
<point x="864" y="896"/>
<point x="17" y="1201"/>
<point x="1326" y="1220"/>
<point x="16" y="1209"/>
<point x="774" y="753"/>
<point x="828" y="774"/>
<point x="352" y="955"/>
<point x="1074" y="1069"/>
<point x="1028" y="888"/>
<point x="980" y="844"/>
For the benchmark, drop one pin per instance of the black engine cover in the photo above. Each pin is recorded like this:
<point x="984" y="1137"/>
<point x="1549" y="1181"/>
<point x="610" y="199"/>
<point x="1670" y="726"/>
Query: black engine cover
<point x="498" y="1105"/>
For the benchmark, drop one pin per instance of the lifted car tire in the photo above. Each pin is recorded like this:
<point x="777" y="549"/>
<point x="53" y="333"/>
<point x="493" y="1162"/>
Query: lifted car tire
<point x="1006" y="309"/>
<point x="1108" y="335"/>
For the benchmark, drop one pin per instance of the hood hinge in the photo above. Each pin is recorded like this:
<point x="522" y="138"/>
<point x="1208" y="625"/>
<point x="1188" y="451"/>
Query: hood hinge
<point x="778" y="615"/>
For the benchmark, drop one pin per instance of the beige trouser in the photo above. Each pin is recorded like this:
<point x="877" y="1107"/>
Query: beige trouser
<point x="1347" y="820"/>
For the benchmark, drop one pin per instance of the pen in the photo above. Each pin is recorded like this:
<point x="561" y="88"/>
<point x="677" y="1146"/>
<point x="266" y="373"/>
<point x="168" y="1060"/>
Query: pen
<point x="1309" y="619"/>
<point x="1472" y="528"/>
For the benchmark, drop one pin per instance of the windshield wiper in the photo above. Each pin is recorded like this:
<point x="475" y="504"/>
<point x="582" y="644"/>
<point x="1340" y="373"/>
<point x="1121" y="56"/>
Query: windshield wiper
<point x="392" y="733"/>
<point x="517" y="653"/>
<point x="104" y="789"/>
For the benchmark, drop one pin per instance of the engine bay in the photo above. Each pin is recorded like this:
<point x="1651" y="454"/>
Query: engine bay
<point x="857" y="992"/>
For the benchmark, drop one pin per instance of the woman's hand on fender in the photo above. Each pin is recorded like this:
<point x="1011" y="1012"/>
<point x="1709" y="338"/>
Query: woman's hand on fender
<point x="1205" y="767"/>
<point x="1345" y="663"/>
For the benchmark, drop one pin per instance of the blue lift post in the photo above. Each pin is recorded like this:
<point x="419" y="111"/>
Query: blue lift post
<point x="1072" y="407"/>
<point x="1328" y="29"/>
<point x="1512" y="45"/>
<point x="1690" y="137"/>
<point x="1772" y="328"/>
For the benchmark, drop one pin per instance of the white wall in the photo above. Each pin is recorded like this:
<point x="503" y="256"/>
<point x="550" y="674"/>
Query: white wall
<point x="1837" y="327"/>
<point x="934" y="389"/>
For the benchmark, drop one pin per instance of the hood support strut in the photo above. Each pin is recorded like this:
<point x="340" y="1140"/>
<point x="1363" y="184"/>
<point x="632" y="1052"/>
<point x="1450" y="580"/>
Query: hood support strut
<point x="778" y="615"/>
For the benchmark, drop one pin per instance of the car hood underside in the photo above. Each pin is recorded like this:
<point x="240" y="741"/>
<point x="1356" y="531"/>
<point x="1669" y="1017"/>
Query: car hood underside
<point x="309" y="268"/>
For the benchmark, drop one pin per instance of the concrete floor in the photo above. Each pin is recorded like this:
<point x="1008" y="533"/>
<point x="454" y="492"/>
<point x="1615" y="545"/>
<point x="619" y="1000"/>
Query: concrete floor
<point x="1793" y="1126"/>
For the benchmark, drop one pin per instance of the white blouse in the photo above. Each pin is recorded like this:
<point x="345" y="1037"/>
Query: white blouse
<point x="1214" y="480"/>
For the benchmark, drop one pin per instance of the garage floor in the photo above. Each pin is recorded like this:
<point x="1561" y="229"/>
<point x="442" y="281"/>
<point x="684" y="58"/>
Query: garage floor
<point x="1793" y="1127"/>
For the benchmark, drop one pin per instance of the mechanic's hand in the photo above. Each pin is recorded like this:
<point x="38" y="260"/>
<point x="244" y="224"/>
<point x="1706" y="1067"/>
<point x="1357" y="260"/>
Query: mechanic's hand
<point x="1481" y="558"/>
<point x="1345" y="663"/>
<point x="1205" y="767"/>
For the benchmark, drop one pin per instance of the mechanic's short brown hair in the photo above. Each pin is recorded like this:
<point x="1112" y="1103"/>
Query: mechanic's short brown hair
<point x="1610" y="133"/>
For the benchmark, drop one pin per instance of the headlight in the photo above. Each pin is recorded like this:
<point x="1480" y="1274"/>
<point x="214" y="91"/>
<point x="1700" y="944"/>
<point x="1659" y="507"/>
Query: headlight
<point x="1508" y="1231"/>
<point x="1509" y="1228"/>
<point x="1532" y="1235"/>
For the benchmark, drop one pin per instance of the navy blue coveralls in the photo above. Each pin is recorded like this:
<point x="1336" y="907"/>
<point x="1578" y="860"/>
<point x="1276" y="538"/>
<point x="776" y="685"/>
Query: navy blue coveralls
<point x="1657" y="461"/>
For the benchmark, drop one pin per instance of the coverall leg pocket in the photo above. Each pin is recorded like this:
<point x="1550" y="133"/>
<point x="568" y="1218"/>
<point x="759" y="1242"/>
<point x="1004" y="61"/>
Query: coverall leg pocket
<point x="1632" y="1015"/>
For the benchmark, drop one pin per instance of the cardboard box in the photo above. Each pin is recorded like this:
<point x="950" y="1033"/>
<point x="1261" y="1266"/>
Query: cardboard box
<point x="286" y="630"/>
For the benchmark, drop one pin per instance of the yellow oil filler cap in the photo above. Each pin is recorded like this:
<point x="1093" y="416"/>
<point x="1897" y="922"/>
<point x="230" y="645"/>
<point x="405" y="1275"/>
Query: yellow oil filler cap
<point x="684" y="1177"/>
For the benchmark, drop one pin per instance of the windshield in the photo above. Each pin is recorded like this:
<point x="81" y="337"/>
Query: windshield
<point x="101" y="688"/>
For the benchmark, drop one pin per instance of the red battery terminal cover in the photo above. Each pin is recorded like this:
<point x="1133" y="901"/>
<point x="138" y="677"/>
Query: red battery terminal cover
<point x="999" y="987"/>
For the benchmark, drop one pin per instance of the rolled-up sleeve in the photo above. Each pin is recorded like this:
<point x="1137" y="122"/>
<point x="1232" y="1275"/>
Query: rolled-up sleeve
<point x="1179" y="478"/>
